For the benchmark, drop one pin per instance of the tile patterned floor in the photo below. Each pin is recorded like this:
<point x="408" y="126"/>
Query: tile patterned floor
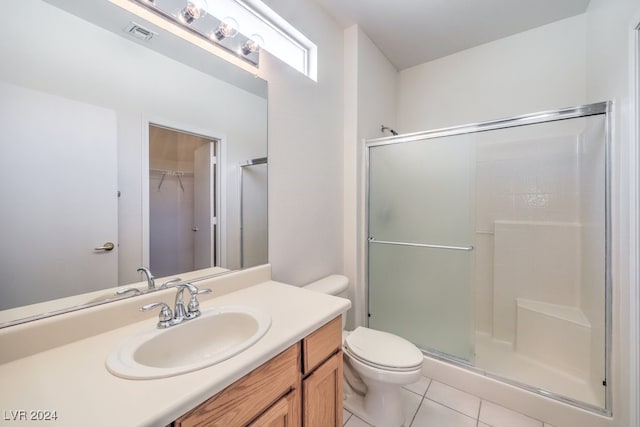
<point x="432" y="404"/>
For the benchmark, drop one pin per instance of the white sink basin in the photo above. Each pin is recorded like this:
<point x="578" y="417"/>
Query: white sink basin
<point x="218" y="334"/>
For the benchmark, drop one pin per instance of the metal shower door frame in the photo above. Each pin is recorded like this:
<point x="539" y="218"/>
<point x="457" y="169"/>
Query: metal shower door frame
<point x="549" y="116"/>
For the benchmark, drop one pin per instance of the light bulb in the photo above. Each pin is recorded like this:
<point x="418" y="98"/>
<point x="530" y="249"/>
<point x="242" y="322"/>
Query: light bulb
<point x="254" y="44"/>
<point x="194" y="9"/>
<point x="227" y="29"/>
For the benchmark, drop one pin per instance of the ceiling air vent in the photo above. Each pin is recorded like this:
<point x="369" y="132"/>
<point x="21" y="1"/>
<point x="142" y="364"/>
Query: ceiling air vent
<point x="139" y="32"/>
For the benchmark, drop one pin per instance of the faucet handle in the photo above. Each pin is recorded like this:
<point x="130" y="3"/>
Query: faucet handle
<point x="194" y="305"/>
<point x="165" y="316"/>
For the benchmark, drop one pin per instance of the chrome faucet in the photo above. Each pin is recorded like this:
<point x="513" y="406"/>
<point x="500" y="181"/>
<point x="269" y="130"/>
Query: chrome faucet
<point x="180" y="314"/>
<point x="192" y="311"/>
<point x="151" y="284"/>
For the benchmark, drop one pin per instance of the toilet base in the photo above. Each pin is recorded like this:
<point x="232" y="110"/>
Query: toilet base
<point x="354" y="403"/>
<point x="369" y="408"/>
<point x="384" y="405"/>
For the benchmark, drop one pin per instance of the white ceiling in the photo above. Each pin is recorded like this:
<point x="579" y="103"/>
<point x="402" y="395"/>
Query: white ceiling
<point x="411" y="32"/>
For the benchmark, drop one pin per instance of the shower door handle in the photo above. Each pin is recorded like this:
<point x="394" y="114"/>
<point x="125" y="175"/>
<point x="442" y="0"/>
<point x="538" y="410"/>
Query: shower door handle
<point x="421" y="245"/>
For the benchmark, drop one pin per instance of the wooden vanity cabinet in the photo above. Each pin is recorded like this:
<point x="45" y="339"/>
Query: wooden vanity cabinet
<point x="302" y="386"/>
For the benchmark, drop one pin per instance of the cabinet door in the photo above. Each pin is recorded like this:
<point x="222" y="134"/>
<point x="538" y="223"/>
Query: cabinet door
<point x="284" y="413"/>
<point x="250" y="396"/>
<point x="322" y="395"/>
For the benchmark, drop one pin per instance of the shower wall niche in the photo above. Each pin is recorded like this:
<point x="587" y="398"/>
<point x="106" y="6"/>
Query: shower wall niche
<point x="496" y="257"/>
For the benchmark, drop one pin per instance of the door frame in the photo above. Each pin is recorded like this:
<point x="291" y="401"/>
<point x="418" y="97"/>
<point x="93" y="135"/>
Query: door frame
<point x="634" y="223"/>
<point x="220" y="182"/>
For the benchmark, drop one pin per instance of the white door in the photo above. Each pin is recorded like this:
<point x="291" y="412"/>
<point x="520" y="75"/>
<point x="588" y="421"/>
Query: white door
<point x="58" y="195"/>
<point x="204" y="214"/>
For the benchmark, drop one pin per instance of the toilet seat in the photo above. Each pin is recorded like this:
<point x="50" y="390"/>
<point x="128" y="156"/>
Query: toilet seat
<point x="383" y="350"/>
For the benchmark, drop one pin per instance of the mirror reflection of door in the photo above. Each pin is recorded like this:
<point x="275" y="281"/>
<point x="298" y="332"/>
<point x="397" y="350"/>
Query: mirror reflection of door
<point x="57" y="162"/>
<point x="182" y="207"/>
<point x="254" y="246"/>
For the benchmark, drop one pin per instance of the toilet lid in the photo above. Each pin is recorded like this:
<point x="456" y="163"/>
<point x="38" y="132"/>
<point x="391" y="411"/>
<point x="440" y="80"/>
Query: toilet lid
<point x="383" y="349"/>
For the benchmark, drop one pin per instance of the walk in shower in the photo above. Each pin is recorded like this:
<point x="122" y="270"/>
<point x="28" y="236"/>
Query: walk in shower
<point x="488" y="247"/>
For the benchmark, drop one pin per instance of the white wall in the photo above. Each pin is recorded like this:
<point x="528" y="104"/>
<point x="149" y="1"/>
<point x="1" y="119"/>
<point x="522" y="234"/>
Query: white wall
<point x="315" y="135"/>
<point x="536" y="70"/>
<point x="305" y="152"/>
<point x="612" y="54"/>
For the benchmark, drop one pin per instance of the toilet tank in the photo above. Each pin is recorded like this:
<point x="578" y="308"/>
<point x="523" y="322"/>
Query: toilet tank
<point x="335" y="284"/>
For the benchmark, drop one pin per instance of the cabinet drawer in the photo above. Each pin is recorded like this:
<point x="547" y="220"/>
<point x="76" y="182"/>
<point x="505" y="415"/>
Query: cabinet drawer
<point x="321" y="344"/>
<point x="240" y="402"/>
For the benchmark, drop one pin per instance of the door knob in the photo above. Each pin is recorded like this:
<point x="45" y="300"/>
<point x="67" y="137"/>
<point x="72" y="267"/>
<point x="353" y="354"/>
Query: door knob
<point x="106" y="247"/>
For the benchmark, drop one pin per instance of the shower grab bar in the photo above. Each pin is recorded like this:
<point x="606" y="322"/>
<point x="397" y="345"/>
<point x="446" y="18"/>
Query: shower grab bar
<point x="422" y="245"/>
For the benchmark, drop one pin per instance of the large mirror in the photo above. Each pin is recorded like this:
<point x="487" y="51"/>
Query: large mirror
<point x="118" y="152"/>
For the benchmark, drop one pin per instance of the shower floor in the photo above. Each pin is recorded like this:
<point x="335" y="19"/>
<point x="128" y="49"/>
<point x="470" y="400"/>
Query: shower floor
<point x="499" y="358"/>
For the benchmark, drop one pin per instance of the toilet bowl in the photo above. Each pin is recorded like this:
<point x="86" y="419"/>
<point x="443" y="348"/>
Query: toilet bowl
<point x="385" y="362"/>
<point x="380" y="361"/>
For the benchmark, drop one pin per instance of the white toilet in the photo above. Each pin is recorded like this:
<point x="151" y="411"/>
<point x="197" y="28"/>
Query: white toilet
<point x="377" y="365"/>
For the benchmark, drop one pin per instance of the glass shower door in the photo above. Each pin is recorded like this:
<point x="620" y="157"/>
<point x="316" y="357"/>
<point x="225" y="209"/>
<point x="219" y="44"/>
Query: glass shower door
<point x="420" y="249"/>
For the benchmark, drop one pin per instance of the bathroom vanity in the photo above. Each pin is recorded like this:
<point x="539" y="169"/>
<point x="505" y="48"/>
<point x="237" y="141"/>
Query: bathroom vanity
<point x="303" y="382"/>
<point x="291" y="376"/>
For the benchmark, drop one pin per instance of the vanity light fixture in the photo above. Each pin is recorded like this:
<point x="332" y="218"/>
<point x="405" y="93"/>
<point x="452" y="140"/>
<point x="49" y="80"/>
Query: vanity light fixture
<point x="195" y="9"/>
<point x="227" y="29"/>
<point x="226" y="24"/>
<point x="253" y="44"/>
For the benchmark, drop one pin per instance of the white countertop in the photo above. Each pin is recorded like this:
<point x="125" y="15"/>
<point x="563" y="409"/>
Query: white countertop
<point x="72" y="379"/>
